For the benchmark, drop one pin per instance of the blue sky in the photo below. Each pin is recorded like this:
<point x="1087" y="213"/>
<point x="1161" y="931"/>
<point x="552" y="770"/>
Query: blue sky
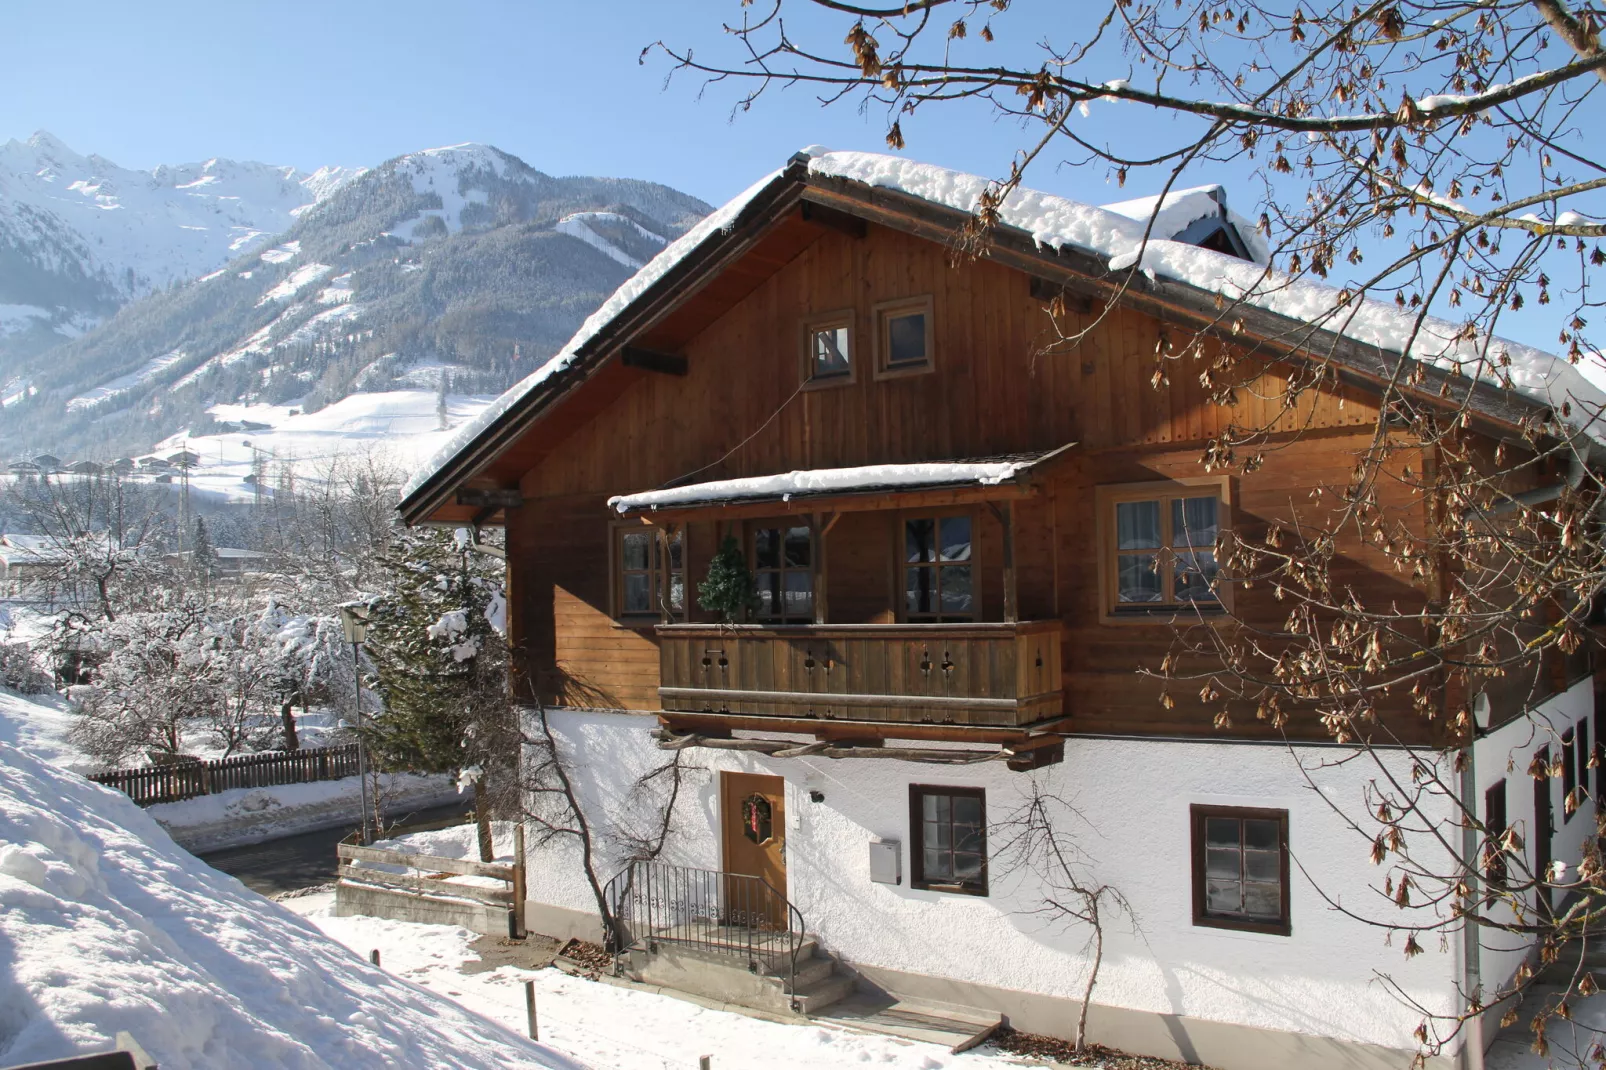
<point x="557" y="84"/>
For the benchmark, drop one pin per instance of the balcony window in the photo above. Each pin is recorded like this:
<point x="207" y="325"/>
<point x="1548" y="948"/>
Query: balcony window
<point x="784" y="574"/>
<point x="948" y="838"/>
<point x="638" y="576"/>
<point x="937" y="569"/>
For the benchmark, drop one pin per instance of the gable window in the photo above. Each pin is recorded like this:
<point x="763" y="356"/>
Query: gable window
<point x="948" y="839"/>
<point x="903" y="332"/>
<point x="1158" y="545"/>
<point x="638" y="562"/>
<point x="1240" y="868"/>
<point x="937" y="571"/>
<point x="828" y="356"/>
<point x="783" y="573"/>
<point x="1494" y="821"/>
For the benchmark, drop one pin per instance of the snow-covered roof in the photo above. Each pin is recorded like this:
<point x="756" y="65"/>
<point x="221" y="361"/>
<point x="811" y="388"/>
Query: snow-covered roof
<point x="830" y="482"/>
<point x="1115" y="233"/>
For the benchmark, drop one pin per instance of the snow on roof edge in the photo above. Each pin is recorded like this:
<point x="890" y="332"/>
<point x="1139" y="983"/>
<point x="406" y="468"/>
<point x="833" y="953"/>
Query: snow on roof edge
<point x="1055" y="222"/>
<point x="825" y="481"/>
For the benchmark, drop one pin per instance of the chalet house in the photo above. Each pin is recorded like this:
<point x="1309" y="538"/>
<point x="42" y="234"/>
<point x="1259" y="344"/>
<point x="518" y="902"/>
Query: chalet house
<point x="966" y="544"/>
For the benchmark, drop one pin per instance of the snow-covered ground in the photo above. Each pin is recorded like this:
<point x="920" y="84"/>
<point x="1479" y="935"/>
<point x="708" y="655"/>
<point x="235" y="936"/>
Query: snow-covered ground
<point x="402" y="427"/>
<point x="622" y="1028"/>
<point x="107" y="925"/>
<point x="38" y="724"/>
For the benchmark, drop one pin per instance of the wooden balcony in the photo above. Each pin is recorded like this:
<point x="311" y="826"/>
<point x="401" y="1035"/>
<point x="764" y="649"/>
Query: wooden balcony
<point x="984" y="676"/>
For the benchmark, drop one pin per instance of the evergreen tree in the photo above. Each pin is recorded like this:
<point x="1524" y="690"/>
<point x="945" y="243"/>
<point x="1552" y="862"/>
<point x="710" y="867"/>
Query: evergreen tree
<point x="729" y="589"/>
<point x="203" y="556"/>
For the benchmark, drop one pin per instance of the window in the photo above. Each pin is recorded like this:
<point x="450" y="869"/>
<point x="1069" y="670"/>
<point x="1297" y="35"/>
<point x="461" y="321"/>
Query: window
<point x="1158" y="544"/>
<point x="937" y="578"/>
<point x="783" y="573"/>
<point x="828" y="349"/>
<point x="1494" y="820"/>
<point x="948" y="836"/>
<point x="639" y="575"/>
<point x="1569" y="772"/>
<point x="1240" y="868"/>
<point x="903" y="337"/>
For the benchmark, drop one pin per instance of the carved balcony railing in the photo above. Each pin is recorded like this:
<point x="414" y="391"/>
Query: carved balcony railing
<point x="979" y="675"/>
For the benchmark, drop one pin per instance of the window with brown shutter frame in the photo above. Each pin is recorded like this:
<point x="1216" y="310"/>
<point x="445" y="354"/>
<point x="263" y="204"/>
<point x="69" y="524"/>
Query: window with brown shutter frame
<point x="1240" y="868"/>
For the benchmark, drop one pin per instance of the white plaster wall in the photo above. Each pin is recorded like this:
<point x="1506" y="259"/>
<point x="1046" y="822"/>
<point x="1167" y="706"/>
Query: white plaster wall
<point x="1504" y="754"/>
<point x="1134" y="797"/>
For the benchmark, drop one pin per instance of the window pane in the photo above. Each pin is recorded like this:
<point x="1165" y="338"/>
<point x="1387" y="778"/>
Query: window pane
<point x="956" y="596"/>
<point x="638" y="593"/>
<point x="1263" y="901"/>
<point x="939" y="834"/>
<point x="928" y="807"/>
<point x="1193" y="521"/>
<point x="1222" y="862"/>
<point x="1222" y="831"/>
<point x="677" y="591"/>
<point x="919" y="540"/>
<point x="918" y="591"/>
<point x="937" y="866"/>
<point x="967" y="867"/>
<point x="797" y="548"/>
<point x="1195" y="572"/>
<point x="906" y="338"/>
<point x="1136" y="578"/>
<point x="675" y="555"/>
<point x="1261" y="834"/>
<point x="767" y="548"/>
<point x="831" y="351"/>
<point x="769" y="594"/>
<point x="967" y="810"/>
<point x="1137" y="525"/>
<point x="633" y="551"/>
<point x="1223" y="897"/>
<point x="956" y="538"/>
<point x="799" y="594"/>
<point x="1263" y="866"/>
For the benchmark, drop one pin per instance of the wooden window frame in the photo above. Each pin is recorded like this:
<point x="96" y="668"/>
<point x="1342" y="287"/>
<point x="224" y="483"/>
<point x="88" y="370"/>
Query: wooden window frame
<point x="917" y="840"/>
<point x="1495" y="820"/>
<point x="1197" y="814"/>
<point x="617" y="530"/>
<point x="750" y="541"/>
<point x="881" y="314"/>
<point x="840" y="318"/>
<point x="901" y="565"/>
<point x="1107" y="496"/>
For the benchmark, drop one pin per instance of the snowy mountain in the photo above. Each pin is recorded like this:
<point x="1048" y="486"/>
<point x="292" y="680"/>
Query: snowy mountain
<point x="81" y="236"/>
<point x="458" y="268"/>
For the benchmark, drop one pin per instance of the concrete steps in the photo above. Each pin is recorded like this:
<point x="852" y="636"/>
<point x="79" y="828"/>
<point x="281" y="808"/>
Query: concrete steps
<point x="717" y="967"/>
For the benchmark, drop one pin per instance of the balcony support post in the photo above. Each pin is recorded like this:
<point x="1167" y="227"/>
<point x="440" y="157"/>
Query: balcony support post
<point x="820" y="524"/>
<point x="1005" y="513"/>
<point x="666" y="577"/>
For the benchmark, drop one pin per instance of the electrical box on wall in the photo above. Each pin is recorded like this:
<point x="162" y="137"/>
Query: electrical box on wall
<point x="886" y="862"/>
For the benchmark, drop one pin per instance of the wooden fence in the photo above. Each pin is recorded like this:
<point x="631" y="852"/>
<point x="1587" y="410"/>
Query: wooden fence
<point x="186" y="780"/>
<point x="429" y="875"/>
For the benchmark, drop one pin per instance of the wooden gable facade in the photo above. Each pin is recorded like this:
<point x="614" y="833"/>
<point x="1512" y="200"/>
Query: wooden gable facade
<point x="718" y="384"/>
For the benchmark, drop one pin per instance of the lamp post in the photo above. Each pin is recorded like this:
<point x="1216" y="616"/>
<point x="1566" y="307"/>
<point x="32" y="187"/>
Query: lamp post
<point x="354" y="622"/>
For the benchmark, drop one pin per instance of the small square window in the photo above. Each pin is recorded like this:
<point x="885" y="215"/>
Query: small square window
<point x="903" y="333"/>
<point x="828" y="355"/>
<point x="1240" y="868"/>
<point x="948" y="836"/>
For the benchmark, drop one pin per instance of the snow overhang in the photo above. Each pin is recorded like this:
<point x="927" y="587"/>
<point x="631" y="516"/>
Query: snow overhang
<point x="860" y="488"/>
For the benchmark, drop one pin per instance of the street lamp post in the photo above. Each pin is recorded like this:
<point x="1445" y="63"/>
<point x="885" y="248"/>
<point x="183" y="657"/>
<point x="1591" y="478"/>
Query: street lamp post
<point x="354" y="621"/>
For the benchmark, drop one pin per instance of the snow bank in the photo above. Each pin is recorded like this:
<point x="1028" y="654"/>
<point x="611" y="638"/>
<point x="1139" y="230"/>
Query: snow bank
<point x="825" y="481"/>
<point x="39" y="725"/>
<point x="106" y="924"/>
<point x="251" y="815"/>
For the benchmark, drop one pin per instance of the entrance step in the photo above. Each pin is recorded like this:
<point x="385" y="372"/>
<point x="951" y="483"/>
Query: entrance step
<point x="715" y="973"/>
<point x="956" y="1028"/>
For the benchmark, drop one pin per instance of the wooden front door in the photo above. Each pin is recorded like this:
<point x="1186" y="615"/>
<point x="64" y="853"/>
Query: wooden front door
<point x="754" y="818"/>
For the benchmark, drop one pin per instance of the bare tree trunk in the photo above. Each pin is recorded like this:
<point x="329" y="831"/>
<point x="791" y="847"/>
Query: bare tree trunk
<point x="482" y="818"/>
<point x="1092" y="973"/>
<point x="287" y="715"/>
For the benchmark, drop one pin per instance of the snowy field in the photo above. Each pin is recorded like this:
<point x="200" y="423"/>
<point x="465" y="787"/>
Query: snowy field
<point x="606" y="1026"/>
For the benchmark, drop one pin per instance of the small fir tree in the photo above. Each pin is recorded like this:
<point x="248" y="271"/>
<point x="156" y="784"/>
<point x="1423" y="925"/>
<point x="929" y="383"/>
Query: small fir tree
<point x="729" y="589"/>
<point x="203" y="558"/>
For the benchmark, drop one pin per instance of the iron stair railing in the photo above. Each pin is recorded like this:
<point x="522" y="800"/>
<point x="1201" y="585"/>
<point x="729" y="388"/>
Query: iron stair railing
<point x="732" y="914"/>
